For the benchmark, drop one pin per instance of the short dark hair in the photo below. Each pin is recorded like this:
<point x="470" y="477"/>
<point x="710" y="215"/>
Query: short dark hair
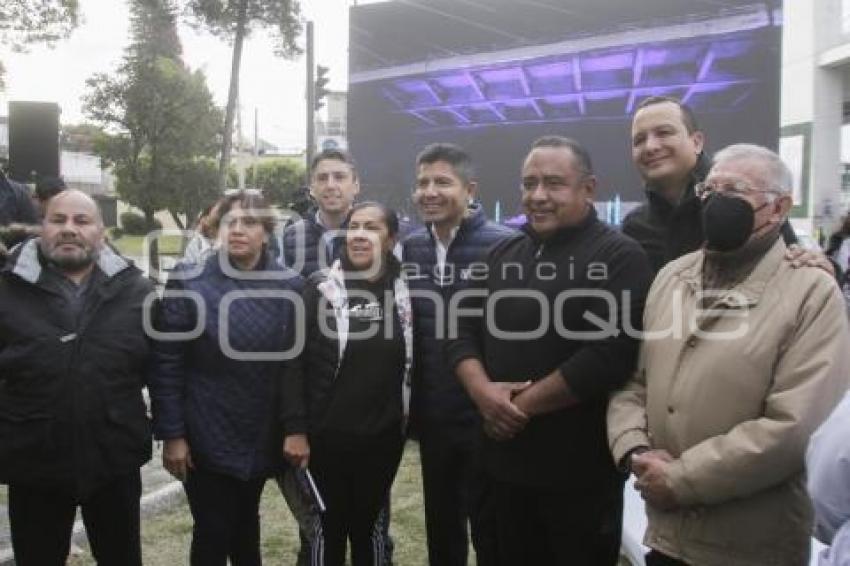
<point x="581" y="154"/>
<point x="688" y="116"/>
<point x="48" y="187"/>
<point x="248" y="200"/>
<point x="390" y="215"/>
<point x="452" y="154"/>
<point x="335" y="155"/>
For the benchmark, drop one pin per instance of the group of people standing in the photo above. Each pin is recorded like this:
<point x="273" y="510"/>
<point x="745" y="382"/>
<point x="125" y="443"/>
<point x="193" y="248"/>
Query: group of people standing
<point x="699" y="348"/>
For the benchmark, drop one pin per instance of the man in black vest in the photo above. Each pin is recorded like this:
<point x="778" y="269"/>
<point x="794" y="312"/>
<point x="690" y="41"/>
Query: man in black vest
<point x="309" y="245"/>
<point x="438" y="259"/>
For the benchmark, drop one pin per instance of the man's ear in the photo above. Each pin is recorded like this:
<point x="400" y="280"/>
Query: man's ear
<point x="472" y="188"/>
<point x="589" y="184"/>
<point x="699" y="141"/>
<point x="782" y="207"/>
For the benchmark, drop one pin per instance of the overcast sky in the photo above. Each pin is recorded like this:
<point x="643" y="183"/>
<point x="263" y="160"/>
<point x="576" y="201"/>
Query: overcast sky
<point x="273" y="85"/>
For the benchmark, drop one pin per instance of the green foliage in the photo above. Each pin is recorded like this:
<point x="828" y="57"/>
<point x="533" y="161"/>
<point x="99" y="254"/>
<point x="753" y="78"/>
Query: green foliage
<point x="137" y="225"/>
<point x="80" y="137"/>
<point x="278" y="178"/>
<point x="24" y="22"/>
<point x="159" y="117"/>
<point x="153" y="32"/>
<point x="195" y="185"/>
<point x="221" y="17"/>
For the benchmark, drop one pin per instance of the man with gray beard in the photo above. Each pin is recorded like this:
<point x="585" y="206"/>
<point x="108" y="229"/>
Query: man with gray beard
<point x="73" y="428"/>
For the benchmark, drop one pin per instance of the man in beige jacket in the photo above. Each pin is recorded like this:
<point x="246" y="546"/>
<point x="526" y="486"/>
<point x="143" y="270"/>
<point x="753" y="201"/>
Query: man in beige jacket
<point x="743" y="357"/>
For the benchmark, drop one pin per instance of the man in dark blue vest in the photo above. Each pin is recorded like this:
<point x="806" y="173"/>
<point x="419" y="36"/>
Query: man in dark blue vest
<point x="439" y="259"/>
<point x="309" y="244"/>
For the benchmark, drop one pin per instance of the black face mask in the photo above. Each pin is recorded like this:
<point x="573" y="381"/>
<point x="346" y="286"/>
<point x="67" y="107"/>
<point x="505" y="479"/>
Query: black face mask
<point x="727" y="222"/>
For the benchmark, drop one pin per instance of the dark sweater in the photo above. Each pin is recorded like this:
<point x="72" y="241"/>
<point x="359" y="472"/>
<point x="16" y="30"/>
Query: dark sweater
<point x="565" y="449"/>
<point x="312" y="401"/>
<point x="366" y="396"/>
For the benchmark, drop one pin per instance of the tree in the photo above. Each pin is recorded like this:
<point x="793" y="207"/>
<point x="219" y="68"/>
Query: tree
<point x="159" y="116"/>
<point x="24" y="22"/>
<point x="234" y="20"/>
<point x="80" y="137"/>
<point x="279" y="180"/>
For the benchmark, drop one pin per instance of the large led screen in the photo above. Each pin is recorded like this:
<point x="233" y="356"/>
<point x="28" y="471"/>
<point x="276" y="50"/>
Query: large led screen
<point x="493" y="75"/>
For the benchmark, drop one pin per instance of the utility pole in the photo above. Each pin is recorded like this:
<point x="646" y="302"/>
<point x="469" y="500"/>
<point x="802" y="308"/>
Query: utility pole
<point x="311" y="98"/>
<point x="256" y="145"/>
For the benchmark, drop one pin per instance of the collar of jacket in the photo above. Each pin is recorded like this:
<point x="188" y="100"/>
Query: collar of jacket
<point x="565" y="233"/>
<point x="334" y="290"/>
<point x="27" y="265"/>
<point x="746" y="293"/>
<point x="267" y="263"/>
<point x="474" y="219"/>
<point x="313" y="218"/>
<point x="660" y="206"/>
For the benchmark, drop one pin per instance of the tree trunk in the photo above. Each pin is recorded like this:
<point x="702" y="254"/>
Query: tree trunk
<point x="230" y="113"/>
<point x="149" y="218"/>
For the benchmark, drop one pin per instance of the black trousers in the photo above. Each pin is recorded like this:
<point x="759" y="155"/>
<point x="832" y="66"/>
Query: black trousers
<point x="529" y="525"/>
<point x="655" y="558"/>
<point x="42" y="518"/>
<point x="306" y="516"/>
<point x="448" y="482"/>
<point x="227" y="519"/>
<point x="354" y="479"/>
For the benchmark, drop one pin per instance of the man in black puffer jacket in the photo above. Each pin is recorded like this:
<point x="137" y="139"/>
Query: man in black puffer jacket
<point x="73" y="354"/>
<point x="438" y="259"/>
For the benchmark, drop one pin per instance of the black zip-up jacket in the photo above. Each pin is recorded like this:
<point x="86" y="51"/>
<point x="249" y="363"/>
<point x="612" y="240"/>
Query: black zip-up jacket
<point x="71" y="406"/>
<point x="667" y="231"/>
<point x="566" y="449"/>
<point x="309" y="386"/>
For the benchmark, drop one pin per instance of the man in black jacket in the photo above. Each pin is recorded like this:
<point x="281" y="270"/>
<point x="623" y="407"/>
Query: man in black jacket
<point x="668" y="150"/>
<point x="541" y="344"/>
<point x="73" y="425"/>
<point x="438" y="258"/>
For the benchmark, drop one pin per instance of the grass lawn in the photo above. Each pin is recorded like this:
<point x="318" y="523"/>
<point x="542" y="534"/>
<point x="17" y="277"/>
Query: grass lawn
<point x="166" y="537"/>
<point x="133" y="245"/>
<point x="2" y="495"/>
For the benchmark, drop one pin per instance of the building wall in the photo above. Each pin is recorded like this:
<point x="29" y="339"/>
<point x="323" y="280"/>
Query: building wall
<point x="816" y="70"/>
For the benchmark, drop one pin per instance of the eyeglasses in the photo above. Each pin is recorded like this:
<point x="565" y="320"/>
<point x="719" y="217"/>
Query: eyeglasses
<point x="737" y="189"/>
